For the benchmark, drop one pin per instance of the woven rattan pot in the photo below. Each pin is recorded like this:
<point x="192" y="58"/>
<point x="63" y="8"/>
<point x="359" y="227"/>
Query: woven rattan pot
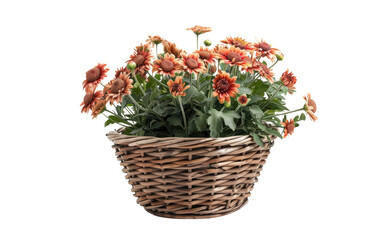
<point x="190" y="177"/>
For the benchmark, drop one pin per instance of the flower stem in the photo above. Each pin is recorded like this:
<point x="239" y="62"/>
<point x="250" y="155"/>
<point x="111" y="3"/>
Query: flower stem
<point x="300" y="109"/>
<point x="273" y="96"/>
<point x="273" y="64"/>
<point x="198" y="81"/>
<point x="237" y="108"/>
<point x="183" y="114"/>
<point x="164" y="85"/>
<point x="197" y="41"/>
<point x="140" y="86"/>
<point x="156" y="48"/>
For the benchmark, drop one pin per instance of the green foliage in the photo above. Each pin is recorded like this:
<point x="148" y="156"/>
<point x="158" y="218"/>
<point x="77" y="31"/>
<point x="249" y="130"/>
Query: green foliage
<point x="152" y="110"/>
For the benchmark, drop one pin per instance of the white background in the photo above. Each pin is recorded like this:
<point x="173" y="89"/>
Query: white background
<point x="59" y="178"/>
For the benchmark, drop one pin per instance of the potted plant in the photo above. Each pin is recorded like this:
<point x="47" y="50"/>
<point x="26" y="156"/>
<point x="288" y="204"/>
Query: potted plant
<point x="195" y="128"/>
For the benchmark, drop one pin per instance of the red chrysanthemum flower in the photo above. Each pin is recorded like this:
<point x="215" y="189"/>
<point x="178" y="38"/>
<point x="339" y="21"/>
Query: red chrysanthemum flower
<point x="167" y="65"/>
<point x="266" y="72"/>
<point x="176" y="87"/>
<point x="98" y="106"/>
<point x="264" y="49"/>
<point x="192" y="63"/>
<point x="94" y="76"/>
<point x="199" y="29"/>
<point x="118" y="87"/>
<point x="233" y="56"/>
<point x="310" y="107"/>
<point x="207" y="55"/>
<point x="289" y="80"/>
<point x="90" y="99"/>
<point x="288" y="127"/>
<point x="239" y="43"/>
<point x="225" y="87"/>
<point x="142" y="58"/>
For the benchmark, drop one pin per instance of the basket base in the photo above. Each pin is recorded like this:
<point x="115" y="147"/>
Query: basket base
<point x="194" y="216"/>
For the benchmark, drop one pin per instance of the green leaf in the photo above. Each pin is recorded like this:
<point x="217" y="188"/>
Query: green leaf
<point x="302" y="117"/>
<point x="229" y="118"/>
<point x="244" y="90"/>
<point x="257" y="139"/>
<point x="256" y="112"/>
<point x="189" y="93"/>
<point x="114" y="119"/>
<point x="215" y="122"/>
<point x="273" y="132"/>
<point x="175" y="121"/>
<point x="201" y="121"/>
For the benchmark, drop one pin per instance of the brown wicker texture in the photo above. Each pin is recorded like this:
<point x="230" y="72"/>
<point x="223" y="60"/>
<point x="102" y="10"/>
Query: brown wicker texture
<point x="190" y="177"/>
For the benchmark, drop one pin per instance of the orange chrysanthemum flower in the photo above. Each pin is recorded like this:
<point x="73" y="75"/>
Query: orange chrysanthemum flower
<point x="266" y="72"/>
<point x="253" y="66"/>
<point x="171" y="48"/>
<point x="225" y="87"/>
<point x="167" y="65"/>
<point x="264" y="49"/>
<point x="207" y="55"/>
<point x="199" y="29"/>
<point x="90" y="99"/>
<point x="289" y="80"/>
<point x="118" y="87"/>
<point x="121" y="70"/>
<point x="142" y="58"/>
<point x="176" y="87"/>
<point x="310" y="107"/>
<point x="98" y="106"/>
<point x="233" y="56"/>
<point x="288" y="127"/>
<point x="94" y="76"/>
<point x="218" y="47"/>
<point x="192" y="63"/>
<point x="154" y="40"/>
<point x="239" y="43"/>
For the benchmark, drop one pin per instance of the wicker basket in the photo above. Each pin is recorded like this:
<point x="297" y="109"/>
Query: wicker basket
<point x="190" y="177"/>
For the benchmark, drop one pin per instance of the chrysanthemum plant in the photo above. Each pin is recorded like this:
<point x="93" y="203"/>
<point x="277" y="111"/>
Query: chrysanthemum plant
<point x="213" y="92"/>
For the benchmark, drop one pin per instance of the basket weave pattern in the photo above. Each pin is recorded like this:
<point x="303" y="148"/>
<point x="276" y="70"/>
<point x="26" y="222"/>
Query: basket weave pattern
<point x="190" y="177"/>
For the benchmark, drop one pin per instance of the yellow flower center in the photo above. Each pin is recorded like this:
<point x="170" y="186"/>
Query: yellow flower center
<point x="139" y="60"/>
<point x="234" y="57"/>
<point x="192" y="63"/>
<point x="93" y="74"/>
<point x="167" y="65"/>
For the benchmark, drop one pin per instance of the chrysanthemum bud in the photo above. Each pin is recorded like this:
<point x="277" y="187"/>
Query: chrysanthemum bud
<point x="207" y="42"/>
<point x="227" y="104"/>
<point x="243" y="100"/>
<point x="280" y="56"/>
<point x="131" y="65"/>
